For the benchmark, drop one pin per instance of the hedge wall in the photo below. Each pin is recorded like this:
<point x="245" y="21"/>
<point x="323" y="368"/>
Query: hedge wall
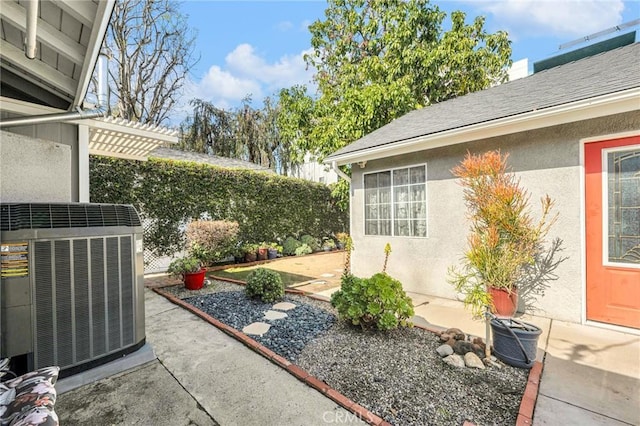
<point x="169" y="193"/>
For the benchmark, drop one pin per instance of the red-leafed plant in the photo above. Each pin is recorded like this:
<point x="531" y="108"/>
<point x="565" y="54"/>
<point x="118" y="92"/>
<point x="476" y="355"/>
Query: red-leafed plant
<point x="504" y="236"/>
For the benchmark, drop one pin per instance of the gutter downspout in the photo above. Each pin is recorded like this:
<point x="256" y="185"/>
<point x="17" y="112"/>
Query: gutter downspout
<point x="343" y="175"/>
<point x="79" y="114"/>
<point x="32" y="25"/>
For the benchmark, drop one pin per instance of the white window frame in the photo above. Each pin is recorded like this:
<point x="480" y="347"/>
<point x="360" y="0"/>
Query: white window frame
<point x="392" y="205"/>
<point x="605" y="208"/>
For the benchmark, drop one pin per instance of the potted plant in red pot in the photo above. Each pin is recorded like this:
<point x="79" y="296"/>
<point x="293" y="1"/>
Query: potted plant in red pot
<point x="504" y="238"/>
<point x="190" y="270"/>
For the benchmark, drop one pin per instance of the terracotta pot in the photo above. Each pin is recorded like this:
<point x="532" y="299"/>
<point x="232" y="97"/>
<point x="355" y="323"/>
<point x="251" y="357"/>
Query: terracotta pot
<point x="505" y="303"/>
<point x="194" y="280"/>
<point x="262" y="253"/>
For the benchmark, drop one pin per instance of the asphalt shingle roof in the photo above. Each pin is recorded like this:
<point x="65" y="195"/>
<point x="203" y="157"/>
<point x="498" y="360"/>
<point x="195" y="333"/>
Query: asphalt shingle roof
<point x="214" y="160"/>
<point x="598" y="75"/>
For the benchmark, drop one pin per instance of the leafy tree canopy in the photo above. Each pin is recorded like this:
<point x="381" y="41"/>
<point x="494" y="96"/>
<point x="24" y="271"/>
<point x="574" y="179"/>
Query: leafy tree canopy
<point x="376" y="60"/>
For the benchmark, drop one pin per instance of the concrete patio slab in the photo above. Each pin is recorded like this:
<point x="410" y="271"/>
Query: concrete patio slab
<point x="551" y="412"/>
<point x="149" y="395"/>
<point x="594" y="370"/>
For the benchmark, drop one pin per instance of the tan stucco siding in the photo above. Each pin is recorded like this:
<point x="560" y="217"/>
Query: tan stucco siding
<point x="547" y="161"/>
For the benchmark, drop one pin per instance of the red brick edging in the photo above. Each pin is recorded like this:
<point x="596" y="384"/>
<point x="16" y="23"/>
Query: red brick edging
<point x="528" y="403"/>
<point x="525" y="412"/>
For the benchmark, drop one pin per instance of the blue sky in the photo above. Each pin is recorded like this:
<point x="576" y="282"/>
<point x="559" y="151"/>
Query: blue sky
<point x="256" y="47"/>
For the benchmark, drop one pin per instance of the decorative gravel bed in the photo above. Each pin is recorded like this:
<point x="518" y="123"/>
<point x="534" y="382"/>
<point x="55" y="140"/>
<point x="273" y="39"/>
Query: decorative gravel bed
<point x="286" y="337"/>
<point x="398" y="375"/>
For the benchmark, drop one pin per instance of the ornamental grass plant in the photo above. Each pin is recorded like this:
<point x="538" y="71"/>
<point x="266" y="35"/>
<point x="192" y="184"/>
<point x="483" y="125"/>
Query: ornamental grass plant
<point x="504" y="236"/>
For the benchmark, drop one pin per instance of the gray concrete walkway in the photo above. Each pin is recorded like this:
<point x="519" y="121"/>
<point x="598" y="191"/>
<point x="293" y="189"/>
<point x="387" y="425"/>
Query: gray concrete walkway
<point x="202" y="377"/>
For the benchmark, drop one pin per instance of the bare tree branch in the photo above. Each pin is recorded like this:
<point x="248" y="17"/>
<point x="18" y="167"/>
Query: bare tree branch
<point x="152" y="51"/>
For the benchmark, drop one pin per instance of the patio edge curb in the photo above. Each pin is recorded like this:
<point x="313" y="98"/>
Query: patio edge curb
<point x="294" y="370"/>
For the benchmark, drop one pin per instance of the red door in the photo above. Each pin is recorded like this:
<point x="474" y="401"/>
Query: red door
<point x="612" y="201"/>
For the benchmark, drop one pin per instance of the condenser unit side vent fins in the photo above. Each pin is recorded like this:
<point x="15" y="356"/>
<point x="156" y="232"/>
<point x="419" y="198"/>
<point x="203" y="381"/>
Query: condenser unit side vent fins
<point x="45" y="349"/>
<point x="14" y="217"/>
<point x="82" y="301"/>
<point x="64" y="303"/>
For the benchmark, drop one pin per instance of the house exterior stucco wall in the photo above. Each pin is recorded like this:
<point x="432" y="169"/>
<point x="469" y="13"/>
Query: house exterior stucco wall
<point x="34" y="170"/>
<point x="60" y="133"/>
<point x="547" y="161"/>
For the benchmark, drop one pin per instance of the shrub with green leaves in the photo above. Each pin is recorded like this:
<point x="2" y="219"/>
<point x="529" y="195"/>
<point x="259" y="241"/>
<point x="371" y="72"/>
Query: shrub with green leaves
<point x="312" y="242"/>
<point x="168" y="194"/>
<point x="265" y="284"/>
<point x="303" y="249"/>
<point x="290" y="245"/>
<point x="378" y="302"/>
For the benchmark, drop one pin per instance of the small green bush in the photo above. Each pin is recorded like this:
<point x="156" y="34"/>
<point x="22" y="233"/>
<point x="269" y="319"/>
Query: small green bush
<point x="303" y="249"/>
<point x="290" y="245"/>
<point x="312" y="242"/>
<point x="378" y="302"/>
<point x="265" y="284"/>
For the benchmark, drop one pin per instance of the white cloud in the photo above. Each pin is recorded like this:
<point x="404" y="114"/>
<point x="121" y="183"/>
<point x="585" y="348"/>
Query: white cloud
<point x="284" y="26"/>
<point x="562" y="18"/>
<point x="287" y="71"/>
<point x="247" y="72"/>
<point x="223" y="84"/>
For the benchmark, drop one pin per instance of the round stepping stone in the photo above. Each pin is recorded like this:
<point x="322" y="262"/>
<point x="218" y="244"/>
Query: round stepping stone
<point x="274" y="315"/>
<point x="256" y="328"/>
<point x="284" y="306"/>
<point x="327" y="275"/>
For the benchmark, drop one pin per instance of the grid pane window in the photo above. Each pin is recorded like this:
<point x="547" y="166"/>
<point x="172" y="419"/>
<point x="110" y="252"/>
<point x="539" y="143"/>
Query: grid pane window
<point x="396" y="202"/>
<point x="377" y="203"/>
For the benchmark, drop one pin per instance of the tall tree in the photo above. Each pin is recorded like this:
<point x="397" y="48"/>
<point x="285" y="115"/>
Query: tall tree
<point x="152" y="49"/>
<point x="245" y="133"/>
<point x="210" y="130"/>
<point x="376" y="60"/>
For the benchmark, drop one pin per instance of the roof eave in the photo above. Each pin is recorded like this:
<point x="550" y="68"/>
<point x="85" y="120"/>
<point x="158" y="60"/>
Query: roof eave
<point x="612" y="103"/>
<point x="98" y="33"/>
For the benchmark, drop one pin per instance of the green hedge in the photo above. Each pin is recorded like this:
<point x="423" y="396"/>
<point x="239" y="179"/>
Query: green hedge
<point x="169" y="193"/>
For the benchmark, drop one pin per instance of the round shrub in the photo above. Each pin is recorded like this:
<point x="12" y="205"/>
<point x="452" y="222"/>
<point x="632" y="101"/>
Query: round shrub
<point x="303" y="249"/>
<point x="378" y="302"/>
<point x="265" y="284"/>
<point x="290" y="245"/>
<point x="312" y="242"/>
